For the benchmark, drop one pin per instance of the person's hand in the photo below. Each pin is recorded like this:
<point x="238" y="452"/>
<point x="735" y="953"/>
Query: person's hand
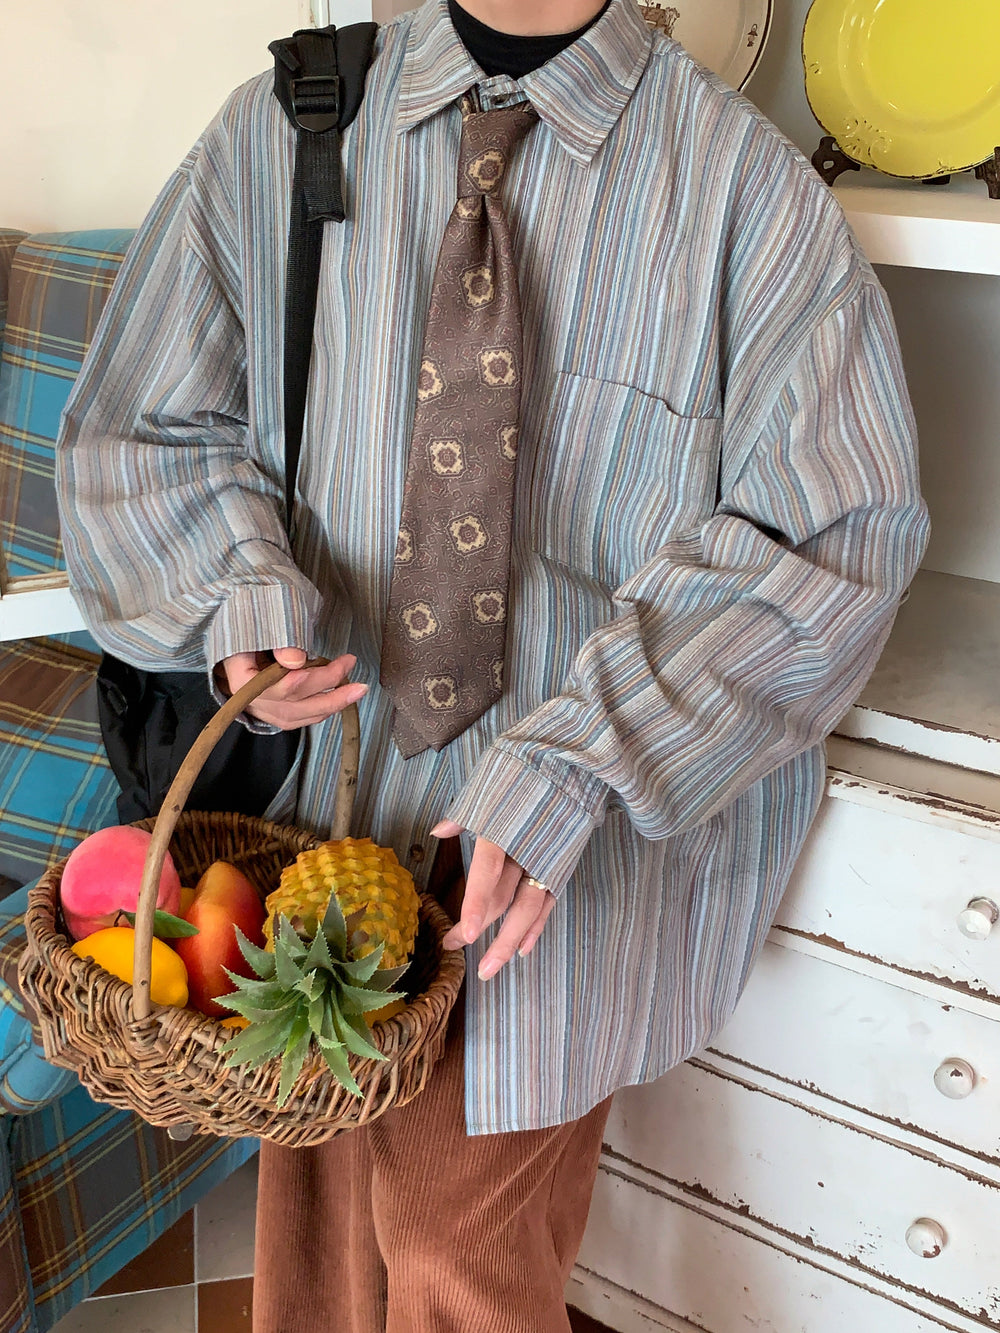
<point x="304" y="696"/>
<point x="494" y="885"/>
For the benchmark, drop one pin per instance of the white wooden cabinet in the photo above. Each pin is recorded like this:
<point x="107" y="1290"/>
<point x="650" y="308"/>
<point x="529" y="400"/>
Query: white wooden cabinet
<point x="849" y="1111"/>
<point x="831" y="1164"/>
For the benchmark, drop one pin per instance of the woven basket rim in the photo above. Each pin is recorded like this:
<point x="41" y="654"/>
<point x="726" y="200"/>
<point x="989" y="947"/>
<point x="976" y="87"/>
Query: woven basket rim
<point x="87" y="970"/>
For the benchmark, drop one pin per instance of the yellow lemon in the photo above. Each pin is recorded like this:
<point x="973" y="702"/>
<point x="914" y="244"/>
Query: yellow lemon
<point x="113" y="949"/>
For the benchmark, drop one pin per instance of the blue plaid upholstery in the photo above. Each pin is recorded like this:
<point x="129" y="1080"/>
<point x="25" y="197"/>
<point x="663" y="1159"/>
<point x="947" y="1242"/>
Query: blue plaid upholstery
<point x="83" y="1188"/>
<point x="55" y="784"/>
<point x="57" y="289"/>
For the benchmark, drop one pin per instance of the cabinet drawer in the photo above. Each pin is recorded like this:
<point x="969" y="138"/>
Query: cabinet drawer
<point x="887" y="881"/>
<point x="720" y="1278"/>
<point x="870" y="1045"/>
<point x="816" y="1181"/>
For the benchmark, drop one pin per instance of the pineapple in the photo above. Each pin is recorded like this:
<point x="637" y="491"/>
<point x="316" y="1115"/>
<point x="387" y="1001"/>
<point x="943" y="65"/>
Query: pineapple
<point x="340" y="912"/>
<point x="363" y="876"/>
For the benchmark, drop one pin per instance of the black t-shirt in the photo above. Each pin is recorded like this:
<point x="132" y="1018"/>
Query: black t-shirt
<point x="502" y="52"/>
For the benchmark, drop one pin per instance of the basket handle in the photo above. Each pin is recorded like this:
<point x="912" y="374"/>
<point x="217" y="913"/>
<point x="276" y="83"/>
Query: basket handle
<point x="180" y="789"/>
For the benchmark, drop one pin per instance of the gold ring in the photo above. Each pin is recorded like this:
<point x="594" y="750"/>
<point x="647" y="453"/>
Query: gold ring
<point x="536" y="883"/>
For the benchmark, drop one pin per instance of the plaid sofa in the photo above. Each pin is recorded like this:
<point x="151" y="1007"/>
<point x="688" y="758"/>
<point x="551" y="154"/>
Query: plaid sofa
<point x="83" y="1187"/>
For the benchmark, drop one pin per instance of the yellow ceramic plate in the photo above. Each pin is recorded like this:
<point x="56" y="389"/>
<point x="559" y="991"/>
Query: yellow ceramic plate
<point x="910" y="87"/>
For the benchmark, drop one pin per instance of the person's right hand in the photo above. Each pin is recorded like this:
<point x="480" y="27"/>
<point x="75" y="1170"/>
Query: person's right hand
<point x="305" y="695"/>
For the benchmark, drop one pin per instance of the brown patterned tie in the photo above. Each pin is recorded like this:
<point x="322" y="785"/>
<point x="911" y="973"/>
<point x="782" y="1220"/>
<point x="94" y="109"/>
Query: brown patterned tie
<point x="443" y="645"/>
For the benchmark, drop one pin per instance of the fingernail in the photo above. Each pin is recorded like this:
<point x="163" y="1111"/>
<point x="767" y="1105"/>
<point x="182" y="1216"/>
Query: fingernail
<point x="358" y="690"/>
<point x="436" y="830"/>
<point x="526" y="948"/>
<point x="472" y="929"/>
<point x="488" y="968"/>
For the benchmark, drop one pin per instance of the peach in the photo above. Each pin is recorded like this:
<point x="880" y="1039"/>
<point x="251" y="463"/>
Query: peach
<point x="223" y="898"/>
<point x="103" y="875"/>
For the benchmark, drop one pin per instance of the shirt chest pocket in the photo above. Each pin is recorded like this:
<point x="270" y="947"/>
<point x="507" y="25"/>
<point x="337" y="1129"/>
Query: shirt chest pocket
<point x="617" y="474"/>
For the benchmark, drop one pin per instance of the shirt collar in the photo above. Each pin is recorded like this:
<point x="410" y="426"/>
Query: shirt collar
<point x="579" y="94"/>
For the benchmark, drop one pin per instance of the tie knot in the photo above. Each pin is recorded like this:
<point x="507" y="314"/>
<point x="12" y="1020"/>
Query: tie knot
<point x="488" y="140"/>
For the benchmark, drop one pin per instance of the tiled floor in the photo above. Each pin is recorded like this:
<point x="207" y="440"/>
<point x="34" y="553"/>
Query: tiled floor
<point x="198" y="1277"/>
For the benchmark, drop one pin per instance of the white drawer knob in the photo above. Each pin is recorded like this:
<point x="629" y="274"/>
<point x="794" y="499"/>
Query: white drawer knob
<point x="955" y="1078"/>
<point x="979" y="918"/>
<point x="926" y="1237"/>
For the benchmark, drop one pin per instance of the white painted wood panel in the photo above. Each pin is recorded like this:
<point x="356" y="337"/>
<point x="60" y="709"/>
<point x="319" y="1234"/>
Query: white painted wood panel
<point x="903" y="223"/>
<point x="37" y="606"/>
<point x="818" y="1182"/>
<point x="620" y="1309"/>
<point x="886" y="874"/>
<point x="912" y="773"/>
<point x="649" y="1261"/>
<point x="934" y="691"/>
<point x="869" y="1045"/>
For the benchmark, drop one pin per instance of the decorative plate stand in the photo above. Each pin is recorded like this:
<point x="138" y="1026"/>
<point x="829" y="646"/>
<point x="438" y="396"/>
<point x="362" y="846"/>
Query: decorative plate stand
<point x="910" y="88"/>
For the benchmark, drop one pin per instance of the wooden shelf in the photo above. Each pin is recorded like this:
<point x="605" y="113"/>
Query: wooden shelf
<point x="38" y="606"/>
<point x="936" y="689"/>
<point x="954" y="226"/>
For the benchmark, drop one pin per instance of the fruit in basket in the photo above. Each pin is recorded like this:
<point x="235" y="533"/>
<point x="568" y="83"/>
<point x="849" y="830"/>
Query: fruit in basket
<point x="113" y="948"/>
<point x="102" y="877"/>
<point x="341" y="911"/>
<point x="223" y="899"/>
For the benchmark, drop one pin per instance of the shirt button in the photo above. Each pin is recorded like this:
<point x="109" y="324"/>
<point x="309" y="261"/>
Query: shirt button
<point x="416" y="853"/>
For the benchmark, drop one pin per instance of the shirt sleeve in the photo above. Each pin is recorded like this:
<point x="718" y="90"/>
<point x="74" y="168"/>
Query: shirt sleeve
<point x="172" y="520"/>
<point x="740" y="645"/>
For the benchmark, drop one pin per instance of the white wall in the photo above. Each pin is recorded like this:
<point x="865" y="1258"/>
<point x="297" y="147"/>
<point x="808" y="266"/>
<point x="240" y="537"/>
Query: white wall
<point x="100" y="99"/>
<point x="384" y="10"/>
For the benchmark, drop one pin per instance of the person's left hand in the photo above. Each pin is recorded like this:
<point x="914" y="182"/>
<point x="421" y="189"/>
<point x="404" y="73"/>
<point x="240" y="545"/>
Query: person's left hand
<point x="494" y="885"/>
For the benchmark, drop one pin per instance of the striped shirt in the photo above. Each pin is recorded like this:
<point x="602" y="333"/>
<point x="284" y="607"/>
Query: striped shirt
<point x="717" y="509"/>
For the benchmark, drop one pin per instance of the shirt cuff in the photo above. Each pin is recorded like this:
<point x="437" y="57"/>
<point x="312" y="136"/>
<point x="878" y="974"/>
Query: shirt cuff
<point x="258" y="618"/>
<point x="536" y="823"/>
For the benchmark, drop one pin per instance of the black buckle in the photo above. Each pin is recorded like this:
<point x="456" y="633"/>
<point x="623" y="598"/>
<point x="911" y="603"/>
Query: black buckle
<point x="316" y="100"/>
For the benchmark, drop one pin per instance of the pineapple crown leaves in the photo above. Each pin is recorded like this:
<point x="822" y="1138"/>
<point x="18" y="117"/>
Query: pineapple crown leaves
<point x="309" y="989"/>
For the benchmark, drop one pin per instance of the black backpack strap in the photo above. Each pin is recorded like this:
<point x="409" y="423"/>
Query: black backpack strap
<point x="319" y="79"/>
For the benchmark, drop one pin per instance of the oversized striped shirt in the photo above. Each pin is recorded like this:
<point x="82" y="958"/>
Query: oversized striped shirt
<point x="716" y="511"/>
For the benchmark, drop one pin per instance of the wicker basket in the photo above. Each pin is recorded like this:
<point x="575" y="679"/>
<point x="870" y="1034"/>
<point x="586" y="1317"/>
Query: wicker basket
<point x="166" y="1063"/>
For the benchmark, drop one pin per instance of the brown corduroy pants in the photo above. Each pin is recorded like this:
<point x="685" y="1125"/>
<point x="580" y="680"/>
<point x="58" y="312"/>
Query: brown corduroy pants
<point x="411" y="1226"/>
